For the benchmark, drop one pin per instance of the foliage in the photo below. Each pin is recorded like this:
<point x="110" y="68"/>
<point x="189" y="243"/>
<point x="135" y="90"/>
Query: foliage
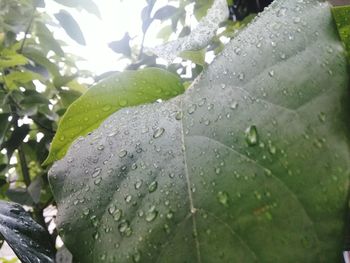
<point x="120" y="90"/>
<point x="218" y="167"/>
<point x="249" y="165"/>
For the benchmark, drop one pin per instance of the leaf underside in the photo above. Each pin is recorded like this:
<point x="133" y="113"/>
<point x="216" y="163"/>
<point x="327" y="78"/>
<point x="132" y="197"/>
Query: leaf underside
<point x="249" y="165"/>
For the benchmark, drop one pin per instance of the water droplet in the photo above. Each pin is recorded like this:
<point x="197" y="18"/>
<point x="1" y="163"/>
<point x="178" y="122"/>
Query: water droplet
<point x="217" y="170"/>
<point x="322" y="117"/>
<point x="106" y="107"/>
<point x="96" y="235"/>
<point x="62" y="138"/>
<point x="138" y="184"/>
<point x="170" y="215"/>
<point x="178" y="115"/>
<point x="117" y="214"/>
<point x="136" y="257"/>
<point x="122" y="153"/>
<point x="111" y="210"/>
<point x="192" y="109"/>
<point x="234" y="105"/>
<point x="158" y="132"/>
<point x="128" y="198"/>
<point x="223" y="198"/>
<point x="123" y="227"/>
<point x="271" y="73"/>
<point x="251" y="135"/>
<point x="86" y="211"/>
<point x="153" y="186"/>
<point x="100" y="147"/>
<point x="151" y="214"/>
<point x="297" y="20"/>
<point x="281" y="12"/>
<point x="123" y="103"/>
<point x="241" y="76"/>
<point x="98" y="181"/>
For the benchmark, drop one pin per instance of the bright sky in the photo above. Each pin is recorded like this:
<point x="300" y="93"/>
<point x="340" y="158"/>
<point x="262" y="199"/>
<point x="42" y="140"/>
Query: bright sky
<point x="118" y="17"/>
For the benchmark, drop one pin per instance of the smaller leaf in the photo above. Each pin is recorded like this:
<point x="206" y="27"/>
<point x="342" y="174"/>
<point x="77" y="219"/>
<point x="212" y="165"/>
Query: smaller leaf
<point x="88" y="5"/>
<point x="165" y="12"/>
<point x="122" y="46"/>
<point x="29" y="240"/>
<point x="165" y="32"/>
<point x="17" y="77"/>
<point x="196" y="56"/>
<point x="119" y="90"/>
<point x="46" y="38"/>
<point x="10" y="58"/>
<point x="70" y="26"/>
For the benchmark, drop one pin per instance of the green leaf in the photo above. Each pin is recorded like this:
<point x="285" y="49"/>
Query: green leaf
<point x="16" y="78"/>
<point x="46" y="38"/>
<point x="120" y="90"/>
<point x="29" y="240"/>
<point x="122" y="46"/>
<point x="88" y="5"/>
<point x="165" y="12"/>
<point x="165" y="32"/>
<point x="10" y="58"/>
<point x="251" y="164"/>
<point x="40" y="58"/>
<point x="70" y="26"/>
<point x="341" y="15"/>
<point x="196" y="56"/>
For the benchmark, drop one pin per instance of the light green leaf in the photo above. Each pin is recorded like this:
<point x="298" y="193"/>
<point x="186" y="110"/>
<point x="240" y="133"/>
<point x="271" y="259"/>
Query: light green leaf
<point x="251" y="164"/>
<point x="196" y="56"/>
<point x="120" y="90"/>
<point x="341" y="15"/>
<point x="165" y="32"/>
<point x="10" y="58"/>
<point x="18" y="77"/>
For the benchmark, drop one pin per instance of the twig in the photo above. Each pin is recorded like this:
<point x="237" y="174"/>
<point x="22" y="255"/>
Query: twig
<point x="27" y="31"/>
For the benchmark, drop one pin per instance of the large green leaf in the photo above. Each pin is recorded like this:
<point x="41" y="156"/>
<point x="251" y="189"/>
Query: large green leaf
<point x="29" y="240"/>
<point x="251" y="164"/>
<point x="120" y="90"/>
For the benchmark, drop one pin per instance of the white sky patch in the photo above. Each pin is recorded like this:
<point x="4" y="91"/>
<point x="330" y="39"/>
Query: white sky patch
<point x="117" y="17"/>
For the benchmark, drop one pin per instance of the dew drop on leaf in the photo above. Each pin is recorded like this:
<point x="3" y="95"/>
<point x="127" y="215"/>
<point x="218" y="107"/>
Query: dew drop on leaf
<point x="106" y="107"/>
<point x="96" y="173"/>
<point x="117" y="215"/>
<point x="111" y="210"/>
<point x="192" y="109"/>
<point x="122" y="153"/>
<point x="151" y="214"/>
<point x="158" y="132"/>
<point x="223" y="198"/>
<point x="251" y="135"/>
<point x="123" y="103"/>
<point x="153" y="186"/>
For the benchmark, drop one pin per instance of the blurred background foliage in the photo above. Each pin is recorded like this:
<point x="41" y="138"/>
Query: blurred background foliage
<point x="39" y="79"/>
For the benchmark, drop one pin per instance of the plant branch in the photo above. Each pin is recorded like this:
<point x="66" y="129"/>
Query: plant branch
<point x="24" y="166"/>
<point x="27" y="31"/>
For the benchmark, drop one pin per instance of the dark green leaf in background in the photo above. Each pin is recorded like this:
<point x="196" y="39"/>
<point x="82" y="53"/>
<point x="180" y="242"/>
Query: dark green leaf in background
<point x="28" y="239"/>
<point x="251" y="164"/>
